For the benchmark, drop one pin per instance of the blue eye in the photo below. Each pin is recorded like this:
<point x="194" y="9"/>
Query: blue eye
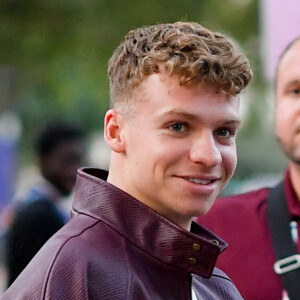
<point x="225" y="132"/>
<point x="178" y="127"/>
<point x="295" y="91"/>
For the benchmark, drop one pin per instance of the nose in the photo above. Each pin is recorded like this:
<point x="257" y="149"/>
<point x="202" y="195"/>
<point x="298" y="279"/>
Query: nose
<point x="205" y="151"/>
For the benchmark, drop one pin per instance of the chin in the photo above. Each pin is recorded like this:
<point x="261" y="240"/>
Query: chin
<point x="198" y="212"/>
<point x="201" y="213"/>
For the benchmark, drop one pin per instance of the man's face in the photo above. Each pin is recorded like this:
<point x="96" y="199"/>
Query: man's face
<point x="60" y="166"/>
<point x="288" y="103"/>
<point x="180" y="147"/>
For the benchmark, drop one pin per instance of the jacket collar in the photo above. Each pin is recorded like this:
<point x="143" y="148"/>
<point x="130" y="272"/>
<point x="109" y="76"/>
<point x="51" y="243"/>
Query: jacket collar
<point x="193" y="252"/>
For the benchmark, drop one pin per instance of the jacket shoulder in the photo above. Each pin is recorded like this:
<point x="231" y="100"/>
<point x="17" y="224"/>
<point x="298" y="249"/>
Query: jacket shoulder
<point x="253" y="200"/>
<point x="230" y="213"/>
<point x="250" y="197"/>
<point x="221" y="286"/>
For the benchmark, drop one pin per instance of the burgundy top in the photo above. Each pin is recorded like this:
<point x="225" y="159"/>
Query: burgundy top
<point x="241" y="220"/>
<point x="116" y="248"/>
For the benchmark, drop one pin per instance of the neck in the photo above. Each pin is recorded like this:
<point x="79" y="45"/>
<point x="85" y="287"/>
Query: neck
<point x="181" y="221"/>
<point x="295" y="178"/>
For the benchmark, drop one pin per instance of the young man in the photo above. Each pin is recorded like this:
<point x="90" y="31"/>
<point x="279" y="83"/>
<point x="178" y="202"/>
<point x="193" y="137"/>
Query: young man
<point x="171" y="127"/>
<point x="243" y="220"/>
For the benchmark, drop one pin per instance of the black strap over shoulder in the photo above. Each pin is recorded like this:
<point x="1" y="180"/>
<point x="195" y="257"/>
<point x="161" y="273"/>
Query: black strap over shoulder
<point x="288" y="259"/>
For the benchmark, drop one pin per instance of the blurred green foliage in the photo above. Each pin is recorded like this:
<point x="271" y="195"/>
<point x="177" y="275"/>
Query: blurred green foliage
<point x="59" y="49"/>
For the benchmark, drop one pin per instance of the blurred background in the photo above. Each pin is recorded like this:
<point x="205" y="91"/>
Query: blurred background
<point x="53" y="62"/>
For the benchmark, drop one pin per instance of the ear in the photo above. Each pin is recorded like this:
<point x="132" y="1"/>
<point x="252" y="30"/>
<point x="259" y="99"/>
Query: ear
<point x="113" y="125"/>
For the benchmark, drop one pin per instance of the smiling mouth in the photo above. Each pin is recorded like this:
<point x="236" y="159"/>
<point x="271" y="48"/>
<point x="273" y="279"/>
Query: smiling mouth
<point x="199" y="181"/>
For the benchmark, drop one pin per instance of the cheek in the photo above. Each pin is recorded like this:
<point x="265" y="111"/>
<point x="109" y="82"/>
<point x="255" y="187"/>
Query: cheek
<point x="169" y="154"/>
<point x="229" y="160"/>
<point x="282" y="121"/>
<point x="278" y="127"/>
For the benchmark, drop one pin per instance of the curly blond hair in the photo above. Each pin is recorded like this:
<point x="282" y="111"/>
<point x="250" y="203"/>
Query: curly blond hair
<point x="187" y="49"/>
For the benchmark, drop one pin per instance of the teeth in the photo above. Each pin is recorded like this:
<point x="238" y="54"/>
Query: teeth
<point x="199" y="181"/>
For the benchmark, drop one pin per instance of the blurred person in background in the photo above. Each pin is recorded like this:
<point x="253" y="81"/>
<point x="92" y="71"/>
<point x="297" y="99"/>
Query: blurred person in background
<point x="172" y="124"/>
<point x="44" y="208"/>
<point x="261" y="226"/>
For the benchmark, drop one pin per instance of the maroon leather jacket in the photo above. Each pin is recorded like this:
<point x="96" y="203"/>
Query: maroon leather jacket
<point x="114" y="247"/>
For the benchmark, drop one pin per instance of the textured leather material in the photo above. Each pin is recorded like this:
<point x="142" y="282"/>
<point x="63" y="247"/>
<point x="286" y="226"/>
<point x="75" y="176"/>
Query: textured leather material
<point x="115" y="247"/>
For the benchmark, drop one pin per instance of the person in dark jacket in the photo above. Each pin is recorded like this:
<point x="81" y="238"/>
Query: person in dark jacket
<point x="171" y="128"/>
<point x="42" y="209"/>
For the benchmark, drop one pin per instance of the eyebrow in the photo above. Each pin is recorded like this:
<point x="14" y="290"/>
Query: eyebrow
<point x="235" y="122"/>
<point x="192" y="117"/>
<point x="292" y="82"/>
<point x="181" y="113"/>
